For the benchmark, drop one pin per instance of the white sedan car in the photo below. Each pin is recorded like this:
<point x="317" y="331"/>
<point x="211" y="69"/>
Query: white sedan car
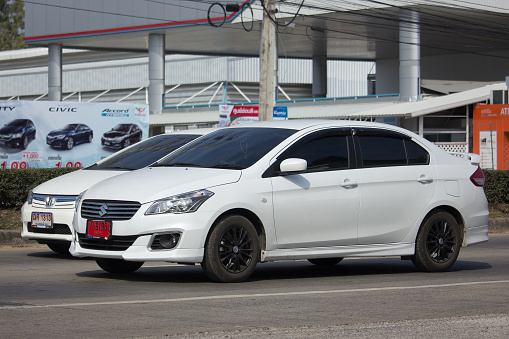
<point x="315" y="190"/>
<point x="47" y="215"/>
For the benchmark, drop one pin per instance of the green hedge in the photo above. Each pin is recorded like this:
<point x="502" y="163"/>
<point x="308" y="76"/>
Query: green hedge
<point x="497" y="186"/>
<point x="15" y="183"/>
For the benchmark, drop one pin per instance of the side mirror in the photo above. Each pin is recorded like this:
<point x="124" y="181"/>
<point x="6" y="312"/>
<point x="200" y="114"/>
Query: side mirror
<point x="292" y="165"/>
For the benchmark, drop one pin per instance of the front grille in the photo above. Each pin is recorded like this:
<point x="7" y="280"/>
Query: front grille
<point x="54" y="201"/>
<point x="109" y="210"/>
<point x="115" y="243"/>
<point x="57" y="229"/>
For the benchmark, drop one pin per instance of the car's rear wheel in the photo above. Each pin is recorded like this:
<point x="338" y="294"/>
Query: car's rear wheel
<point x="232" y="250"/>
<point x="438" y="243"/>
<point x="70" y="143"/>
<point x="325" y="261"/>
<point x="89" y="138"/>
<point x="60" y="248"/>
<point x="119" y="266"/>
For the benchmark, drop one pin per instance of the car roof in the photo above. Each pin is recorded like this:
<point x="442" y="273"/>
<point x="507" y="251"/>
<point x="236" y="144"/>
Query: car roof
<point x="302" y="124"/>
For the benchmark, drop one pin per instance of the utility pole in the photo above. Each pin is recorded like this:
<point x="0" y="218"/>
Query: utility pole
<point x="267" y="62"/>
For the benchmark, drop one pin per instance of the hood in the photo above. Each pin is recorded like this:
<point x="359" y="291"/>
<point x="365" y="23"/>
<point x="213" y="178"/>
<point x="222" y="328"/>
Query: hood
<point x="114" y="134"/>
<point x="75" y="182"/>
<point x="153" y="183"/>
<point x="58" y="132"/>
<point x="11" y="129"/>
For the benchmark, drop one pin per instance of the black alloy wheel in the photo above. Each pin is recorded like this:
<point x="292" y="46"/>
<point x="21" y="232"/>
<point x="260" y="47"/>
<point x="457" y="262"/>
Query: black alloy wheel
<point x="232" y="250"/>
<point x="438" y="243"/>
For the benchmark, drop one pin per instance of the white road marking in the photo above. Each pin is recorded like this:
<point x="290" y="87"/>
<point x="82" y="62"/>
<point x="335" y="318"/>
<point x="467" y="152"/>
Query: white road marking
<point x="259" y="295"/>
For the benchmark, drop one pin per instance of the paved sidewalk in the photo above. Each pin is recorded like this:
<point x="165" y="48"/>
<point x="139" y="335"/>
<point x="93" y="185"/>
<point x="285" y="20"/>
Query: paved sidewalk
<point x="13" y="238"/>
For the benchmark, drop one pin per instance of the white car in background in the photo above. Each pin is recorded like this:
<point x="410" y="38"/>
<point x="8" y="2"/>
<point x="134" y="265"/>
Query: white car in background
<point x="47" y="215"/>
<point x="285" y="190"/>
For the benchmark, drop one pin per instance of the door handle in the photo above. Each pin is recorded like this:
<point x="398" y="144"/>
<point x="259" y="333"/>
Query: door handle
<point x="349" y="184"/>
<point x="424" y="179"/>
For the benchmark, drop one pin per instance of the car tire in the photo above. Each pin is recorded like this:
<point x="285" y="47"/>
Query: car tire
<point x="438" y="243"/>
<point x="118" y="266"/>
<point x="89" y="140"/>
<point x="325" y="262"/>
<point x="60" y="248"/>
<point x="232" y="250"/>
<point x="24" y="144"/>
<point x="126" y="143"/>
<point x="69" y="144"/>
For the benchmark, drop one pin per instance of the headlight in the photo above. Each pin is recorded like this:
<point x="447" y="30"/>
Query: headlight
<point x="78" y="200"/>
<point x="17" y="135"/>
<point x="59" y="136"/>
<point x="30" y="197"/>
<point x="182" y="203"/>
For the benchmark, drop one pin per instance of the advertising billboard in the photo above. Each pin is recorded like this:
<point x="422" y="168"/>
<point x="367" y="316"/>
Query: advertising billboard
<point x="59" y="134"/>
<point x="238" y="114"/>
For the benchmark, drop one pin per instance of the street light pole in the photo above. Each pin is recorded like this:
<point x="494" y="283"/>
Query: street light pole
<point x="267" y="62"/>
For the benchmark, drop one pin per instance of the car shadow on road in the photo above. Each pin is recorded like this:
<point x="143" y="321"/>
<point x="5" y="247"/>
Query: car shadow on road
<point x="282" y="270"/>
<point x="50" y="254"/>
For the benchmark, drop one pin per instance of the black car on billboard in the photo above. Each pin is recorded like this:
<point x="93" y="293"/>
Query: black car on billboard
<point x="17" y="134"/>
<point x="70" y="135"/>
<point x="121" y="136"/>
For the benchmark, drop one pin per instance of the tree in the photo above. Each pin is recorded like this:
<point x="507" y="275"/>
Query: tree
<point x="12" y="24"/>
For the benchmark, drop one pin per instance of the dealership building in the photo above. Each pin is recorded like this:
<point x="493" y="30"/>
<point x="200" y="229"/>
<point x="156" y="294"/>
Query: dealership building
<point x="423" y="65"/>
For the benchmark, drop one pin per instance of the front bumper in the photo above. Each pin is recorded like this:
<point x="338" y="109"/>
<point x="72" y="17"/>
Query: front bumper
<point x="139" y="251"/>
<point x="62" y="225"/>
<point x="111" y="144"/>
<point x="140" y="230"/>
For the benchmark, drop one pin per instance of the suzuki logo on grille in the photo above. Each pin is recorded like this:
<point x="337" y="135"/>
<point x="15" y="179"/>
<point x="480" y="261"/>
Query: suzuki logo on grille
<point x="50" y="201"/>
<point x="103" y="210"/>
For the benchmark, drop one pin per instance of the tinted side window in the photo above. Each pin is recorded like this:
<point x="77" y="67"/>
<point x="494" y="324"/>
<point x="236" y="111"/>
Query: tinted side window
<point x="324" y="153"/>
<point x="382" y="151"/>
<point x="416" y="154"/>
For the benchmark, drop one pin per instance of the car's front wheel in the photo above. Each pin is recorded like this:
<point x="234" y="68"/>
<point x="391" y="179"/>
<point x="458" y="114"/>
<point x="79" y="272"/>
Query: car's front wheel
<point x="438" y="243"/>
<point x="119" y="266"/>
<point x="60" y="248"/>
<point x="24" y="144"/>
<point x="126" y="143"/>
<point x="70" y="143"/>
<point x="232" y="250"/>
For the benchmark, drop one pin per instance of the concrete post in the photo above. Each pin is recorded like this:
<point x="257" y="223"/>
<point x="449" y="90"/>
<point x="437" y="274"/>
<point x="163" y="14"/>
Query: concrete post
<point x="156" y="53"/>
<point x="319" y="87"/>
<point x="267" y="59"/>
<point x="409" y="56"/>
<point x="55" y="72"/>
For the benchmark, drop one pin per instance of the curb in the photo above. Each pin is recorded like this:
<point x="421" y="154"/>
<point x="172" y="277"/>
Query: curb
<point x="14" y="239"/>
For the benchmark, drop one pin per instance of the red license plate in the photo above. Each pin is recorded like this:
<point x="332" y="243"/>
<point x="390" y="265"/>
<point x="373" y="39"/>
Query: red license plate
<point x="98" y="229"/>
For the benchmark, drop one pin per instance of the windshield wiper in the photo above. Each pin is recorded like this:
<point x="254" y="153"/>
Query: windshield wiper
<point x="176" y="164"/>
<point x="228" y="166"/>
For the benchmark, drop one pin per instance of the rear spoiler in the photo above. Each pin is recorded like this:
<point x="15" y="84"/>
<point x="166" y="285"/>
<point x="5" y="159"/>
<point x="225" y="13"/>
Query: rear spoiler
<point x="475" y="159"/>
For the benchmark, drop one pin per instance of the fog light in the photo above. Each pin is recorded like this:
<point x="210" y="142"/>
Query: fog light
<point x="165" y="241"/>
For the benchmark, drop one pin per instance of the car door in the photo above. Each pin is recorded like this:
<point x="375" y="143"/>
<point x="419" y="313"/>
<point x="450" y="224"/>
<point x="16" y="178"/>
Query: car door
<point x="396" y="183"/>
<point x="318" y="207"/>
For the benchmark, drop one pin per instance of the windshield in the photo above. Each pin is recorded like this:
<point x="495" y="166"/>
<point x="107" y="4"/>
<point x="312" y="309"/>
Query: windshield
<point x="230" y="148"/>
<point x="18" y="123"/>
<point x="144" y="152"/>
<point x="70" y="127"/>
<point x="122" y="128"/>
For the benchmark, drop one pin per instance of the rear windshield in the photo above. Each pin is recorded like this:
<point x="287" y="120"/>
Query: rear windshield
<point x="144" y="152"/>
<point x="229" y="148"/>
